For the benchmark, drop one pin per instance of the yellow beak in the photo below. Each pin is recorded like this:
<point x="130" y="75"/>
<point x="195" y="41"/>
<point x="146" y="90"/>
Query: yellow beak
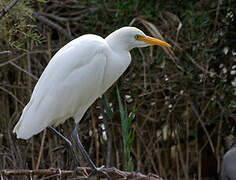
<point x="153" y="41"/>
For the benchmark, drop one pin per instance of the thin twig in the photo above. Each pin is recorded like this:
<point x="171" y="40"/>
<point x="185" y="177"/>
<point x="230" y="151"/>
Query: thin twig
<point x="22" y="55"/>
<point x="181" y="157"/>
<point x="5" y="52"/>
<point x="41" y="149"/>
<point x="204" y="127"/>
<point x="12" y="95"/>
<point x="12" y="60"/>
<point x="8" y="8"/>
<point x="23" y="70"/>
<point x="199" y="66"/>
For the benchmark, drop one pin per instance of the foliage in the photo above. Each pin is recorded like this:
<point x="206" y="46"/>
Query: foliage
<point x="127" y="131"/>
<point x="17" y="27"/>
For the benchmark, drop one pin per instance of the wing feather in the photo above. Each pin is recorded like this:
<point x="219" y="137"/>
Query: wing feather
<point x="68" y="86"/>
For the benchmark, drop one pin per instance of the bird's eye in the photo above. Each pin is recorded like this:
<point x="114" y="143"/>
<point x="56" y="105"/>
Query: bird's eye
<point x="137" y="36"/>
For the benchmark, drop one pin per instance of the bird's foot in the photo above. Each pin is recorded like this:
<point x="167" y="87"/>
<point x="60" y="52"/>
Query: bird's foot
<point x="97" y="171"/>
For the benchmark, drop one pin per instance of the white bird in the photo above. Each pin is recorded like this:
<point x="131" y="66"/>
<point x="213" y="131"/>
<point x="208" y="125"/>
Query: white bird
<point x="228" y="171"/>
<point x="76" y="76"/>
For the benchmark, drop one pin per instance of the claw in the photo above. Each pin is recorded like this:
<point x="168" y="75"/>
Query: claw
<point x="97" y="171"/>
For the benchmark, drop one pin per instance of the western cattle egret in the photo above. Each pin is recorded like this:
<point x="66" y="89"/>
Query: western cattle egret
<point x="76" y="76"/>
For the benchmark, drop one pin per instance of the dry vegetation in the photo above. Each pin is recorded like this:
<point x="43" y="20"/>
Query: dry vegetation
<point x="185" y="96"/>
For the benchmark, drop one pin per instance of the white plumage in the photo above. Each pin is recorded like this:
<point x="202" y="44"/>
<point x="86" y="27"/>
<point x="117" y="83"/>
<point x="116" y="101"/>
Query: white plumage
<point x="76" y="76"/>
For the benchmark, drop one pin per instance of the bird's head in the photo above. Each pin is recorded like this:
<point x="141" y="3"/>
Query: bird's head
<point x="130" y="37"/>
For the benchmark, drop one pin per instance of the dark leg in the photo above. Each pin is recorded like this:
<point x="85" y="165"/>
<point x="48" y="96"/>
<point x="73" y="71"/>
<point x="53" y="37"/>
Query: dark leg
<point x="75" y="138"/>
<point x="95" y="170"/>
<point x="67" y="141"/>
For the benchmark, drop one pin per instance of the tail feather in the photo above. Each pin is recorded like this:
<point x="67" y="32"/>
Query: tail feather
<point x="17" y="126"/>
<point x="28" y="125"/>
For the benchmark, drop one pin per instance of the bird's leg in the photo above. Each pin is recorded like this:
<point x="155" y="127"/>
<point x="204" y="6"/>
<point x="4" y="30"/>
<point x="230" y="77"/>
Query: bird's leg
<point x="67" y="141"/>
<point x="95" y="170"/>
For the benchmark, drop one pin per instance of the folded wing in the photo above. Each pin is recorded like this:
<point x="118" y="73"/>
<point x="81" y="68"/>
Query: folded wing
<point x="68" y="86"/>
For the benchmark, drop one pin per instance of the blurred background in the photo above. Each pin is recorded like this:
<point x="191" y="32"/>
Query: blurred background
<point x="168" y="114"/>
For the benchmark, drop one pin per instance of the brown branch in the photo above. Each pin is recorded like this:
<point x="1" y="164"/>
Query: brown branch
<point x="41" y="149"/>
<point x="8" y="8"/>
<point x="81" y="171"/>
<point x="52" y="25"/>
<point x="5" y="52"/>
<point x="203" y="126"/>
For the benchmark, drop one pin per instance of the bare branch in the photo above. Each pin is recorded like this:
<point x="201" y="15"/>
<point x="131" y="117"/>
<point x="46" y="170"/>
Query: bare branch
<point x="12" y="95"/>
<point x="23" y="70"/>
<point x="5" y="52"/>
<point x="81" y="171"/>
<point x="53" y="25"/>
<point x="8" y="8"/>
